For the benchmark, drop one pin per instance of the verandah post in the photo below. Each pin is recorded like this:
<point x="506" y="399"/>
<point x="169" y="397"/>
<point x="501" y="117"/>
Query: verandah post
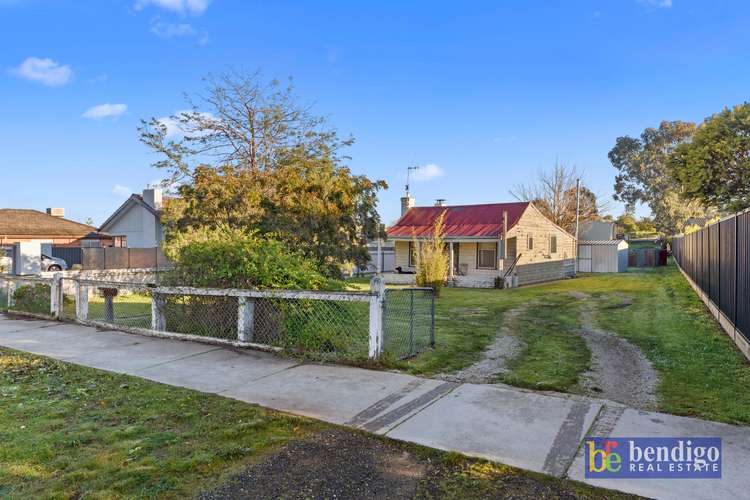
<point x="377" y="300"/>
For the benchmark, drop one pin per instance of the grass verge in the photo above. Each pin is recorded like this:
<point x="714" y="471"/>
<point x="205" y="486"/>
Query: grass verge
<point x="71" y="432"/>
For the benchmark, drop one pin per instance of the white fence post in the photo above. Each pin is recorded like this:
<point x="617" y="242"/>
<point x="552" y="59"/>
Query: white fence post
<point x="377" y="288"/>
<point x="56" y="296"/>
<point x="245" y="319"/>
<point x="82" y="301"/>
<point x="11" y="294"/>
<point x="158" y="320"/>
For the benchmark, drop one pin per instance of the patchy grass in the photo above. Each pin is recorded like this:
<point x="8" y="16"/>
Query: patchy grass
<point x="554" y="352"/>
<point x="702" y="373"/>
<point x="69" y="431"/>
<point x="72" y="432"/>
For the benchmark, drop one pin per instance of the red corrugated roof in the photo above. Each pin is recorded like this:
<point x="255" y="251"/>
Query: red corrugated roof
<point x="468" y="221"/>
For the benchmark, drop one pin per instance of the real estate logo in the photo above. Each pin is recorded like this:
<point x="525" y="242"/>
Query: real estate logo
<point x="649" y="457"/>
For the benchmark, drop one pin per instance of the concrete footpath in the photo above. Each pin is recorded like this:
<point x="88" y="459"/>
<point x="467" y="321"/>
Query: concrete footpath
<point x="535" y="431"/>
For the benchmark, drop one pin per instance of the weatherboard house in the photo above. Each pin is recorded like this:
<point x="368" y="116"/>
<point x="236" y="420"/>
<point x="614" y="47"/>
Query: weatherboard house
<point x="485" y="242"/>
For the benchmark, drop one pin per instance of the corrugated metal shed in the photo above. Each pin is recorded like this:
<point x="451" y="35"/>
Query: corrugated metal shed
<point x="467" y="221"/>
<point x="603" y="256"/>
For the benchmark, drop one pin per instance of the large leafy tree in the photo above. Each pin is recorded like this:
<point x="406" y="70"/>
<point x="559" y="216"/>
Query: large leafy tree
<point x="248" y="156"/>
<point x="714" y="167"/>
<point x="554" y="194"/>
<point x="645" y="175"/>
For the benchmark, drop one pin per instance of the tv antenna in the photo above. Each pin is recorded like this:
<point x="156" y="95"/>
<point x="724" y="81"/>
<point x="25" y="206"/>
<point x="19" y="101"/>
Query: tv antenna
<point x="409" y="170"/>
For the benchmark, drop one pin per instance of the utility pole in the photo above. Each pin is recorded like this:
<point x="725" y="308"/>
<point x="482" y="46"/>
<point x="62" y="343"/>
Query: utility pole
<point x="578" y="208"/>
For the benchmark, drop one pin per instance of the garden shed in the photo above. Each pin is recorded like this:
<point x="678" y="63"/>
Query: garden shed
<point x="604" y="256"/>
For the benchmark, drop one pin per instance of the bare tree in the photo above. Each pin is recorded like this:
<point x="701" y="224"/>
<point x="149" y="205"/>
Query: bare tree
<point x="554" y="193"/>
<point x="241" y="121"/>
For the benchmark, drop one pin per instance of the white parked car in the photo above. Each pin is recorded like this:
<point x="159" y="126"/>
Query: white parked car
<point x="53" y="263"/>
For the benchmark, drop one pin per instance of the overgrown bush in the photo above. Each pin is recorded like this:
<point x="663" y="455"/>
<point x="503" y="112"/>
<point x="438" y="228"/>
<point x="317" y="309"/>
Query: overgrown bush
<point x="432" y="260"/>
<point x="234" y="258"/>
<point x="32" y="298"/>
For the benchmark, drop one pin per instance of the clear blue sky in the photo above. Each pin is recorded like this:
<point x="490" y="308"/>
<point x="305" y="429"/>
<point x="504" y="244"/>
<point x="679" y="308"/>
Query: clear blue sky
<point x="491" y="92"/>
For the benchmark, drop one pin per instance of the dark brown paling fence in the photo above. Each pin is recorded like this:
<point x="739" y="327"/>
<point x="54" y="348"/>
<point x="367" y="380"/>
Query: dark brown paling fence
<point x="717" y="259"/>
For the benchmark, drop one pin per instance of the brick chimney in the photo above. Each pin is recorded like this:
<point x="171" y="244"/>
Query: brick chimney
<point x="56" y="212"/>
<point x="406" y="203"/>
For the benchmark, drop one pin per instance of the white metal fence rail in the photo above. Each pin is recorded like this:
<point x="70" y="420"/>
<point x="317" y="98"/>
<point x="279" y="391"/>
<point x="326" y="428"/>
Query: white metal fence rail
<point x="328" y="323"/>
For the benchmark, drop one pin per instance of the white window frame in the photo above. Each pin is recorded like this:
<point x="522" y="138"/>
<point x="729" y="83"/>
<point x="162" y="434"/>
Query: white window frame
<point x="480" y="250"/>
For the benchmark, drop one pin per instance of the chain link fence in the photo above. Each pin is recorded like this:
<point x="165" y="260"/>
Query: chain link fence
<point x="27" y="295"/>
<point x="409" y="321"/>
<point x="328" y="328"/>
<point x="320" y="325"/>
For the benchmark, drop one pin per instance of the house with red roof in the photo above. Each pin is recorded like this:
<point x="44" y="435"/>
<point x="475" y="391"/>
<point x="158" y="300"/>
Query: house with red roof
<point x="486" y="242"/>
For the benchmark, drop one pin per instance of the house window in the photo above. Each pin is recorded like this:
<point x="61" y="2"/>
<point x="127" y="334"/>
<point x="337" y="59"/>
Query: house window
<point x="530" y="243"/>
<point x="553" y="244"/>
<point x="486" y="255"/>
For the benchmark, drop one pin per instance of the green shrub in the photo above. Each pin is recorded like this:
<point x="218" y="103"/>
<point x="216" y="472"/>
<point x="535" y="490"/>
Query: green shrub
<point x="32" y="298"/>
<point x="233" y="258"/>
<point x="432" y="260"/>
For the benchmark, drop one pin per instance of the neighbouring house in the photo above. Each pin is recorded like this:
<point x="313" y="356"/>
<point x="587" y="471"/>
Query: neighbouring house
<point x="485" y="242"/>
<point x="604" y="256"/>
<point x="19" y="225"/>
<point x="383" y="252"/>
<point x="138" y="220"/>
<point x="597" y="230"/>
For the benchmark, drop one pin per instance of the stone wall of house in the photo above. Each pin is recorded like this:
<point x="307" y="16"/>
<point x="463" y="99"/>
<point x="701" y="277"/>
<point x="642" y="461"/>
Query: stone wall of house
<point x="536" y="226"/>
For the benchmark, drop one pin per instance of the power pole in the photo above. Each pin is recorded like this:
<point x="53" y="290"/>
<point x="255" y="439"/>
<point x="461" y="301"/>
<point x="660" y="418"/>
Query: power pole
<point x="578" y="208"/>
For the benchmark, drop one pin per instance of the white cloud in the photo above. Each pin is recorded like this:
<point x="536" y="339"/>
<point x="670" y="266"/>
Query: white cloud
<point x="105" y="111"/>
<point x="169" y="30"/>
<point x="660" y="4"/>
<point x="121" y="191"/>
<point x="195" y="7"/>
<point x="428" y="172"/>
<point x="45" y="71"/>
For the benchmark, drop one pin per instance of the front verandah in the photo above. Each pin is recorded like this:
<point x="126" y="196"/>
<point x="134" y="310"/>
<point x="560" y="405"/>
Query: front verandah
<point x="473" y="262"/>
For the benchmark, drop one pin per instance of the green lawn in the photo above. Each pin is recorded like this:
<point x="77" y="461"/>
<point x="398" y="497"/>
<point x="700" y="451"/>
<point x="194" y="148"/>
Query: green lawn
<point x="74" y="432"/>
<point x="702" y="373"/>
